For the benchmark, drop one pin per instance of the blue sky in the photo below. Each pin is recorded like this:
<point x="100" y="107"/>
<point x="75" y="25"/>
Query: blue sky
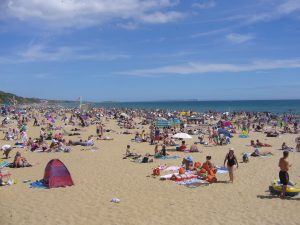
<point x="135" y="50"/>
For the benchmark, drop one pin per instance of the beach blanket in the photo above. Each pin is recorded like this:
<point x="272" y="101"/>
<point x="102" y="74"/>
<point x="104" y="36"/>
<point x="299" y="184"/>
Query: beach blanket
<point x="38" y="184"/>
<point x="172" y="168"/>
<point x="189" y="151"/>
<point x="243" y="136"/>
<point x="193" y="183"/>
<point x="222" y="170"/>
<point x="19" y="146"/>
<point x="4" y="164"/>
<point x="169" y="157"/>
<point x="260" y="156"/>
<point x="187" y="175"/>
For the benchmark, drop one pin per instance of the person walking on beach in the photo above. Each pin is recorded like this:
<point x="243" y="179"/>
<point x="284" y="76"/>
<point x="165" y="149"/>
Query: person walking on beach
<point x="231" y="162"/>
<point x="283" y="173"/>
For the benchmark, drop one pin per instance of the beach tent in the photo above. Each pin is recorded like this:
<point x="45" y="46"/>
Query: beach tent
<point x="124" y="115"/>
<point x="57" y="175"/>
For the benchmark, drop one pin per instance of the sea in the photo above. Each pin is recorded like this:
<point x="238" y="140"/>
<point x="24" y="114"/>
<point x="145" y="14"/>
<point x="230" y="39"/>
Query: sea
<point x="274" y="106"/>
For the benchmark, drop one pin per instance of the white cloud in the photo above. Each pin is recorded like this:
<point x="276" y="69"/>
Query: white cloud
<point x="200" y="68"/>
<point x="239" y="38"/>
<point x="286" y="8"/>
<point x="82" y="13"/>
<point x="289" y="6"/>
<point x="205" y="4"/>
<point x="128" y="26"/>
<point x="43" y="53"/>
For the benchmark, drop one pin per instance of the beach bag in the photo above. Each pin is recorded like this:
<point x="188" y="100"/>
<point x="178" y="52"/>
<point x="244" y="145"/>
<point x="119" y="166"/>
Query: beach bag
<point x="203" y="170"/>
<point x="211" y="179"/>
<point x="156" y="172"/>
<point x="197" y="164"/>
<point x="181" y="170"/>
<point x="211" y="173"/>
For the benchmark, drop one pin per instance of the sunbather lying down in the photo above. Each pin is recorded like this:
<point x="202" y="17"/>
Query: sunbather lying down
<point x="258" y="153"/>
<point x="259" y="144"/>
<point x="89" y="142"/>
<point x="105" y="138"/>
<point x="144" y="159"/>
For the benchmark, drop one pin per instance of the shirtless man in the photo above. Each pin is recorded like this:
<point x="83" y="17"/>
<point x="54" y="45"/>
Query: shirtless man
<point x="283" y="174"/>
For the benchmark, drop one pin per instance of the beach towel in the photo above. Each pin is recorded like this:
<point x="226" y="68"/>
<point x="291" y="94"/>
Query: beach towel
<point x="221" y="170"/>
<point x="169" y="157"/>
<point x="4" y="164"/>
<point x="38" y="184"/>
<point x="172" y="168"/>
<point x="243" y="136"/>
<point x="193" y="183"/>
<point x="187" y="176"/>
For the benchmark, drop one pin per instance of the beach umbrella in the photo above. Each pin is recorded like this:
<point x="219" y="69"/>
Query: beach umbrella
<point x="124" y="115"/>
<point x="182" y="136"/>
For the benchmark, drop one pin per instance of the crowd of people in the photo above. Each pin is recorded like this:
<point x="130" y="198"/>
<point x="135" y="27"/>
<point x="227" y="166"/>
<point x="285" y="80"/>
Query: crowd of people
<point x="211" y="129"/>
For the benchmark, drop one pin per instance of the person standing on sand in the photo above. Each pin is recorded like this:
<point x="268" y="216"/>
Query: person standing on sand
<point x="283" y="174"/>
<point x="231" y="162"/>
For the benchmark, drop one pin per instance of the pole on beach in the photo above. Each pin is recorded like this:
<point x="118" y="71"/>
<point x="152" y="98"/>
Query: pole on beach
<point x="80" y="103"/>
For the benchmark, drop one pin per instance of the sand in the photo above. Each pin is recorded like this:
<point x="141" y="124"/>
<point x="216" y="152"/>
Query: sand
<point x="102" y="175"/>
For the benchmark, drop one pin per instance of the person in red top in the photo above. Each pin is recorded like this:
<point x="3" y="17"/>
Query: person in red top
<point x="182" y="147"/>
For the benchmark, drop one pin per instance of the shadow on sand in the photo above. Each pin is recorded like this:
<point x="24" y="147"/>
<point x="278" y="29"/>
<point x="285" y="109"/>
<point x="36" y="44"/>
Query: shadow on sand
<point x="277" y="197"/>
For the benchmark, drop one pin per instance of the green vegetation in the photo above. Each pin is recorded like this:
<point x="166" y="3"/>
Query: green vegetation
<point x="8" y="98"/>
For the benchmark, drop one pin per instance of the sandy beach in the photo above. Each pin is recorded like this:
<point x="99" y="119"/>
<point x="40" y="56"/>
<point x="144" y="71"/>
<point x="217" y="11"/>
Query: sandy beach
<point x="102" y="174"/>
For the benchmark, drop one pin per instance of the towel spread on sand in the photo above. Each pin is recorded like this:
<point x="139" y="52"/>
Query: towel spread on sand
<point x="168" y="176"/>
<point x="222" y="170"/>
<point x="172" y="168"/>
<point x="193" y="183"/>
<point x="169" y="157"/>
<point x="4" y="164"/>
<point x="38" y="184"/>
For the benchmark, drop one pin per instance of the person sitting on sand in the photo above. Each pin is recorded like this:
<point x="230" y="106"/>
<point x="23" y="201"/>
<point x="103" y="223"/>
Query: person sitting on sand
<point x="20" y="161"/>
<point x="252" y="143"/>
<point x="163" y="151"/>
<point x="285" y="147"/>
<point x="182" y="147"/>
<point x="130" y="154"/>
<point x="194" y="148"/>
<point x="187" y="162"/>
<point x="208" y="164"/>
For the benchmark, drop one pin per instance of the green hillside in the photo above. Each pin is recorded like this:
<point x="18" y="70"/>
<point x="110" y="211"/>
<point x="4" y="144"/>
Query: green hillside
<point x="8" y="98"/>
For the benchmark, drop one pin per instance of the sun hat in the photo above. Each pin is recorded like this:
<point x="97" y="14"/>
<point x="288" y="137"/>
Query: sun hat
<point x="189" y="158"/>
<point x="231" y="149"/>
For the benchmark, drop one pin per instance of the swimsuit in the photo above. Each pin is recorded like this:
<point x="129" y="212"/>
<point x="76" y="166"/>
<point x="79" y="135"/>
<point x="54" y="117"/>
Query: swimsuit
<point x="284" y="177"/>
<point x="231" y="161"/>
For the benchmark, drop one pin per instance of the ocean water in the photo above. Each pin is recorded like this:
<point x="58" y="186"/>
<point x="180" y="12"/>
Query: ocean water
<point x="275" y="106"/>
